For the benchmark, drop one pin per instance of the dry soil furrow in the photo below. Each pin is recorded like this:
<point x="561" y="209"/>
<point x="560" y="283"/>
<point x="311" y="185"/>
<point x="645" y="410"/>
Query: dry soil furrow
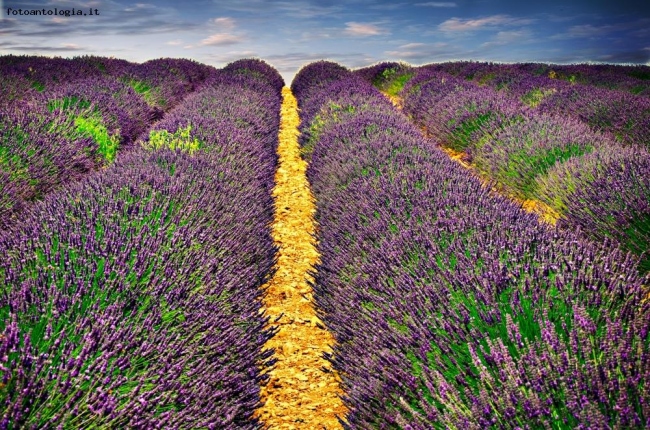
<point x="299" y="393"/>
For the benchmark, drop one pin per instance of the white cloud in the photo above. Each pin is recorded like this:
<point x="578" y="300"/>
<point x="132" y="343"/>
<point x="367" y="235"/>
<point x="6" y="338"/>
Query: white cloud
<point x="437" y="4"/>
<point x="508" y="37"/>
<point x="358" y="29"/>
<point x="421" y="52"/>
<point x="225" y="23"/>
<point x="139" y="6"/>
<point x="221" y="39"/>
<point x="176" y="42"/>
<point x="453" y="25"/>
<point x="412" y="45"/>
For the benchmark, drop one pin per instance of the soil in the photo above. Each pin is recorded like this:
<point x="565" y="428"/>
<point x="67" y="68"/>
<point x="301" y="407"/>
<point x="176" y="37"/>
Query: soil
<point x="303" y="391"/>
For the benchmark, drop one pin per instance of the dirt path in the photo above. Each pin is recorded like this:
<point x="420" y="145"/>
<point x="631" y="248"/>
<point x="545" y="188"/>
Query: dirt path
<point x="299" y="394"/>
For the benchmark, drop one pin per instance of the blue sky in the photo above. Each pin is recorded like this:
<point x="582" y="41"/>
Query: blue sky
<point x="289" y="34"/>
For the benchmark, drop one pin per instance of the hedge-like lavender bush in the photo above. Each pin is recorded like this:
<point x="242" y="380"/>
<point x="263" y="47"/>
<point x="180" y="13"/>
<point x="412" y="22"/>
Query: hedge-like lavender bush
<point x="131" y="299"/>
<point x="441" y="294"/>
<point x="134" y="301"/>
<point x="345" y="98"/>
<point x="606" y="194"/>
<point x="109" y="103"/>
<point x="46" y="73"/>
<point x="389" y="77"/>
<point x="462" y="116"/>
<point x="624" y="115"/>
<point x="259" y="69"/>
<point x="35" y="159"/>
<point x="521" y="152"/>
<point x="323" y="72"/>
<point x="164" y="82"/>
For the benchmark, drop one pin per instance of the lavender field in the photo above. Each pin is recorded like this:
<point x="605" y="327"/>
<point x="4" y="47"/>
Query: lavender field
<point x="135" y="242"/>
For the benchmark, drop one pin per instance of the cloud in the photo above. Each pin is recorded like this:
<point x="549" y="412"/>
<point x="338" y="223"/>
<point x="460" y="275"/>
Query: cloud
<point x="437" y="4"/>
<point x="508" y="37"/>
<point x="454" y="25"/>
<point x="176" y="42"/>
<point x="422" y="52"/>
<point x="307" y="10"/>
<point x="221" y="39"/>
<point x="304" y="9"/>
<point x="388" y="6"/>
<point x="225" y="23"/>
<point x="114" y="19"/>
<point x="358" y="29"/>
<point x="65" y="47"/>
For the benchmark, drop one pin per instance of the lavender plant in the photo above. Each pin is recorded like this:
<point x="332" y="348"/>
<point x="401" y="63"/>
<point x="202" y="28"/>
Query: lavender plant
<point x="606" y="194"/>
<point x="458" y="294"/>
<point x="521" y="152"/>
<point x="625" y="116"/>
<point x="131" y="299"/>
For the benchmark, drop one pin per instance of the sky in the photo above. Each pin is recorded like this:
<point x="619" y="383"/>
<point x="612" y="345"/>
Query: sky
<point x="289" y="34"/>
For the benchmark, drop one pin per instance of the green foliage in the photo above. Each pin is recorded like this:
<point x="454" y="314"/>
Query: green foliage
<point x="38" y="86"/>
<point x="640" y="74"/>
<point x="66" y="103"/>
<point x="535" y="97"/>
<point x="150" y="94"/>
<point x="392" y="80"/>
<point x="93" y="127"/>
<point x="636" y="239"/>
<point x="180" y="139"/>
<point x="395" y="86"/>
<point x="465" y="132"/>
<point x="523" y="167"/>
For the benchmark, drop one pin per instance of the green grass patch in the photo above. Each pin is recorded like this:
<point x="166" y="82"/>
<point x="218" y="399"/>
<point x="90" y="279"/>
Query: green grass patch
<point x="394" y="87"/>
<point x="150" y="94"/>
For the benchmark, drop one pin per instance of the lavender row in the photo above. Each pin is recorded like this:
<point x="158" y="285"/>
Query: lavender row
<point x="75" y="125"/>
<point x="606" y="194"/>
<point x="163" y="82"/>
<point x="521" y="149"/>
<point x="453" y="308"/>
<point x="608" y="109"/>
<point x="131" y="299"/>
<point x="632" y="79"/>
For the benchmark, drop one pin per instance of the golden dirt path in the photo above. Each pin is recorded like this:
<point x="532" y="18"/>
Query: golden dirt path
<point x="299" y="394"/>
<point x="545" y="213"/>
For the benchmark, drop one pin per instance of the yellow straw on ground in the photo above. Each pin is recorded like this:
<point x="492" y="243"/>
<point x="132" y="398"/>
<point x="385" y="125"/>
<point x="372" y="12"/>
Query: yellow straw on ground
<point x="299" y="394"/>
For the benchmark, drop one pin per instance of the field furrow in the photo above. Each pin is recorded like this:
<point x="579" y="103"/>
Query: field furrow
<point x="302" y="390"/>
